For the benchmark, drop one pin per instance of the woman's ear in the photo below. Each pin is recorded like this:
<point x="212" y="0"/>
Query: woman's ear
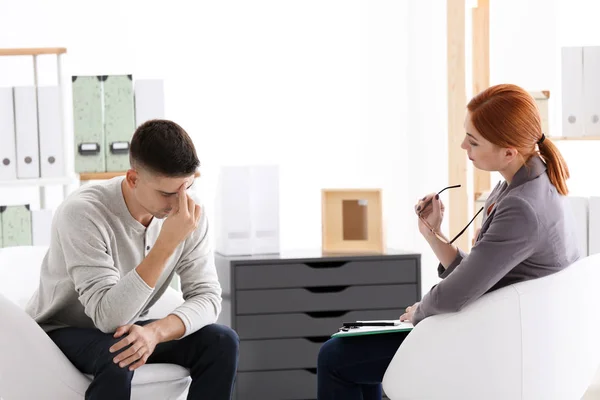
<point x="511" y="154"/>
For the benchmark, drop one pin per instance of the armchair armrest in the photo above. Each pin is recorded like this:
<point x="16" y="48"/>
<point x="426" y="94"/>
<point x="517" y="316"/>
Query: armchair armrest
<point x="31" y="365"/>
<point x="466" y="355"/>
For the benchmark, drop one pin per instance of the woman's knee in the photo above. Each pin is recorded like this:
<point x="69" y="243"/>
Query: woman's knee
<point x="329" y="353"/>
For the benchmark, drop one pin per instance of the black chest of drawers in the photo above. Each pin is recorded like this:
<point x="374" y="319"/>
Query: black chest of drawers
<point x="284" y="307"/>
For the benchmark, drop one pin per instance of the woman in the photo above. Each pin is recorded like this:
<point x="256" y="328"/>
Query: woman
<point x="525" y="234"/>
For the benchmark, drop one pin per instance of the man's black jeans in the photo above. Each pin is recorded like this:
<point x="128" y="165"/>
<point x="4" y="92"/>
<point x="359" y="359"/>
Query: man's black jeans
<point x="211" y="355"/>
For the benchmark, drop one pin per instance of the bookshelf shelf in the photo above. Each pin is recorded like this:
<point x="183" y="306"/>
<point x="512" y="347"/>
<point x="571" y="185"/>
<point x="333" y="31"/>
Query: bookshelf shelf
<point x="35" y="51"/>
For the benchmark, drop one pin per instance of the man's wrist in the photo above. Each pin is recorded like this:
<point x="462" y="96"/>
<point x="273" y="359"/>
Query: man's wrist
<point x="169" y="328"/>
<point x="164" y="248"/>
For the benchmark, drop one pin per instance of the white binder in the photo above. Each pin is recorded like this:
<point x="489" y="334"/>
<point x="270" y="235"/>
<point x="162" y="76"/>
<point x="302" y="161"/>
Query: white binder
<point x="149" y="100"/>
<point x="52" y="158"/>
<point x="8" y="157"/>
<point x="579" y="210"/>
<point x="248" y="210"/>
<point x="591" y="90"/>
<point x="26" y="127"/>
<point x="41" y="224"/>
<point x="572" y="92"/>
<point x="594" y="226"/>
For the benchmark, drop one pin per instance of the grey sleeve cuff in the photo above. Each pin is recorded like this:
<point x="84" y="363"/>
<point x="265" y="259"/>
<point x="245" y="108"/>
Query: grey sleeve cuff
<point x="444" y="272"/>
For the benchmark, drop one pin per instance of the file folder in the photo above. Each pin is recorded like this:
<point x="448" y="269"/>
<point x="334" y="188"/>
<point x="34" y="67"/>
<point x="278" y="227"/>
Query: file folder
<point x="8" y="159"/>
<point x="149" y="99"/>
<point x="41" y="223"/>
<point x="119" y="123"/>
<point x="52" y="160"/>
<point x="591" y="90"/>
<point x="26" y="129"/>
<point x="572" y="92"/>
<point x="88" y="125"/>
<point x="16" y="226"/>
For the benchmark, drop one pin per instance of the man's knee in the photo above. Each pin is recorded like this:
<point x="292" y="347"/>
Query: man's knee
<point x="220" y="338"/>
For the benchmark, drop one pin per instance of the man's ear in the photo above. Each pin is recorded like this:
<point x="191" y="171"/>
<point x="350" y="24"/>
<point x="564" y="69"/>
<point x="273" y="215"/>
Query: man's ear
<point x="131" y="178"/>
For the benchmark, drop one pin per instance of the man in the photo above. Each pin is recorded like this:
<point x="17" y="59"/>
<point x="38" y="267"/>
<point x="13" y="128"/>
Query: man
<point x="114" y="249"/>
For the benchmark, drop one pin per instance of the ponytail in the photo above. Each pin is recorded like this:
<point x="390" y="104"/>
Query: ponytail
<point x="557" y="169"/>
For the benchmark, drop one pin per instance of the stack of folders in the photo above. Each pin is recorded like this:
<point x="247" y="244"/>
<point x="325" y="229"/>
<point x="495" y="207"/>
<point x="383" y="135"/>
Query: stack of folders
<point x="20" y="226"/>
<point x="31" y="138"/>
<point x="106" y="111"/>
<point x="360" y="328"/>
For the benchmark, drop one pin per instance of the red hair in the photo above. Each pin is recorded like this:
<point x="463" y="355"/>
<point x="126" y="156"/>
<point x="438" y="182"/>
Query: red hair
<point x="507" y="116"/>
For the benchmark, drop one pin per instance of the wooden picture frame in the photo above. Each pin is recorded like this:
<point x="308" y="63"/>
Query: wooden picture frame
<point x="352" y="221"/>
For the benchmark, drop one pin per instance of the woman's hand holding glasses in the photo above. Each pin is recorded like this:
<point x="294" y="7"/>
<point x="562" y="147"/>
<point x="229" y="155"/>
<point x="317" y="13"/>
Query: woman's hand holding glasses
<point x="430" y="211"/>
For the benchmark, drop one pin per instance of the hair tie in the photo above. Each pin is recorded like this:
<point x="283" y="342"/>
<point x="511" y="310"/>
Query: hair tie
<point x="541" y="139"/>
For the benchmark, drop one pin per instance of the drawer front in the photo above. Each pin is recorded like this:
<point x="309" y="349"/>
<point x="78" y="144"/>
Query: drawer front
<point x="325" y="273"/>
<point x="260" y="355"/>
<point x="328" y="299"/>
<point x="275" y="326"/>
<point x="276" y="385"/>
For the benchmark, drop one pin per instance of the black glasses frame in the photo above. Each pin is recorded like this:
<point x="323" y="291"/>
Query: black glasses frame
<point x="434" y="232"/>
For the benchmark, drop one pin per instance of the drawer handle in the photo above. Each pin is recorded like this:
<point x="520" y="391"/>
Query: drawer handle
<point x="326" y="314"/>
<point x="326" y="264"/>
<point x="318" y="339"/>
<point x="327" y="289"/>
<point x="311" y="370"/>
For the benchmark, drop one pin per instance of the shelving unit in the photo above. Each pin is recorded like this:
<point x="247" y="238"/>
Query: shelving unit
<point x="69" y="178"/>
<point x="99" y="176"/>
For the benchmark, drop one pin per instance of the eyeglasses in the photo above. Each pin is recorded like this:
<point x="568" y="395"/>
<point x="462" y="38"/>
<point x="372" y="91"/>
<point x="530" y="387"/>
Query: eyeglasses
<point x="443" y="239"/>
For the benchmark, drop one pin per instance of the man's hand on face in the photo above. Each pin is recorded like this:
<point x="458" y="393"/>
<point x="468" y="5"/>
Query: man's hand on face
<point x="141" y="340"/>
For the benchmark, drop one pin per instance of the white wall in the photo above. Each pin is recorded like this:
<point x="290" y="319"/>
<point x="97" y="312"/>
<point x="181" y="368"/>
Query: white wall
<point x="320" y="87"/>
<point x="427" y="135"/>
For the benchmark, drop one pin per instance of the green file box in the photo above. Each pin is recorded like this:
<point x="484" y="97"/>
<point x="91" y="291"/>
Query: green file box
<point x="16" y="226"/>
<point x="88" y="124"/>
<point x="119" y="121"/>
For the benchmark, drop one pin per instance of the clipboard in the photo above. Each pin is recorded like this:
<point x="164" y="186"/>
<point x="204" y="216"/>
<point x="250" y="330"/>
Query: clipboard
<point x="361" y="328"/>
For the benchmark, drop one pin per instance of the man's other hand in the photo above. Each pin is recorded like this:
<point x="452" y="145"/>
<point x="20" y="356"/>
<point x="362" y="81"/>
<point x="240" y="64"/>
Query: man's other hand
<point x="141" y="341"/>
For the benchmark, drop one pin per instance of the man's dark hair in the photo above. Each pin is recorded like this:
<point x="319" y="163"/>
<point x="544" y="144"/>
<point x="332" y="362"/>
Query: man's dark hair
<point x="164" y="148"/>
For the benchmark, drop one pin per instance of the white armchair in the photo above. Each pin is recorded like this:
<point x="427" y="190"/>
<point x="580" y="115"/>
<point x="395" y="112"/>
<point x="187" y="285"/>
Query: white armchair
<point x="33" y="367"/>
<point x="532" y="340"/>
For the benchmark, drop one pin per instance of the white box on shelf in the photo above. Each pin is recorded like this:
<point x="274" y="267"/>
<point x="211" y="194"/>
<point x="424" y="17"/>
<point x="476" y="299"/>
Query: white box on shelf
<point x="591" y="90"/>
<point x="541" y="100"/>
<point x="149" y="100"/>
<point x="41" y="223"/>
<point x="579" y="208"/>
<point x="247" y="205"/>
<point x="26" y="128"/>
<point x="52" y="157"/>
<point x="572" y="92"/>
<point x="8" y="154"/>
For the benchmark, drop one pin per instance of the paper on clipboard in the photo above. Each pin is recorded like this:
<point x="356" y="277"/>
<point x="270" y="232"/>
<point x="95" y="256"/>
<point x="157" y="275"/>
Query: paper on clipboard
<point x="375" y="330"/>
